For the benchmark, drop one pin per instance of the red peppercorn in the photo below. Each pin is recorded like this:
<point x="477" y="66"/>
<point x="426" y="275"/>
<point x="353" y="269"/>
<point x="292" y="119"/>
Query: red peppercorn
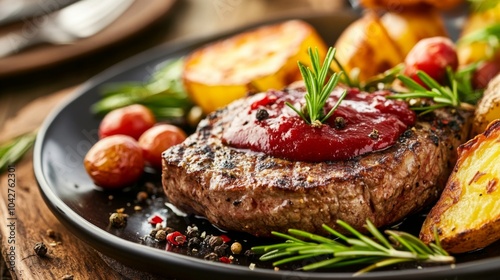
<point x="224" y="260"/>
<point x="155" y="220"/>
<point x="225" y="238"/>
<point x="176" y="238"/>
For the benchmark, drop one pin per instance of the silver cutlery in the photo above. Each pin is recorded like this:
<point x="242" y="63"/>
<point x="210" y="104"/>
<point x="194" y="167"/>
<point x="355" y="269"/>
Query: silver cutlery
<point x="77" y="21"/>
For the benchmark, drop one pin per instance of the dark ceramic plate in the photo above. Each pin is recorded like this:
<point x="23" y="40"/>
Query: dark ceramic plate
<point x="68" y="134"/>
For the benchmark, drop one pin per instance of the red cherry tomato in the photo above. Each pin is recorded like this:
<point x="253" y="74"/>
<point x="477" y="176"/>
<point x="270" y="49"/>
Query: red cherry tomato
<point x="484" y="73"/>
<point x="132" y="120"/>
<point x="115" y="162"/>
<point x="432" y="56"/>
<point x="157" y="139"/>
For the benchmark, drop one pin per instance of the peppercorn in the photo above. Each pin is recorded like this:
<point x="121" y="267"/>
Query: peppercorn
<point x="40" y="249"/>
<point x="142" y="196"/>
<point x="194" y="242"/>
<point x="215" y="241"/>
<point x="374" y="134"/>
<point x="221" y="250"/>
<point x="192" y="231"/>
<point x="211" y="257"/>
<point x="339" y="123"/>
<point x="161" y="235"/>
<point x="261" y="115"/>
<point x="176" y="238"/>
<point x="118" y="220"/>
<point x="236" y="248"/>
<point x="249" y="253"/>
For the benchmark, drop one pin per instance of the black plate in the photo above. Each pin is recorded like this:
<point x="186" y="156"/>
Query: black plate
<point x="68" y="134"/>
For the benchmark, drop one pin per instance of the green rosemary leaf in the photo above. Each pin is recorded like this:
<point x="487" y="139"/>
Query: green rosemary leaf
<point x="345" y="75"/>
<point x="330" y="113"/>
<point x="293" y="259"/>
<point x="377" y="234"/>
<point x="317" y="91"/>
<point x="383" y="263"/>
<point x="164" y="89"/>
<point x="360" y="249"/>
<point x="412" y="241"/>
<point x="12" y="151"/>
<point x="411" y="84"/>
<point x="362" y="237"/>
<point x="335" y="233"/>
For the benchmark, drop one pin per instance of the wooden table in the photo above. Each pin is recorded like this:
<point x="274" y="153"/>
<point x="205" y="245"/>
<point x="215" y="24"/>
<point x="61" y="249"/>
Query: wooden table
<point x="27" y="98"/>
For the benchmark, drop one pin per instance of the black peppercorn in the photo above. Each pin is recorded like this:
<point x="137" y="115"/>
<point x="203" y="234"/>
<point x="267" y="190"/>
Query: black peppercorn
<point x="262" y="114"/>
<point x="194" y="242"/>
<point x="215" y="241"/>
<point x="339" y="123"/>
<point x="40" y="249"/>
<point x="211" y="257"/>
<point x="221" y="250"/>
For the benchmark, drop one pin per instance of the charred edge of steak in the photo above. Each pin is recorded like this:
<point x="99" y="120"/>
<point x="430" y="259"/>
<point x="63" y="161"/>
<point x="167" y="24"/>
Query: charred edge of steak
<point x="255" y="193"/>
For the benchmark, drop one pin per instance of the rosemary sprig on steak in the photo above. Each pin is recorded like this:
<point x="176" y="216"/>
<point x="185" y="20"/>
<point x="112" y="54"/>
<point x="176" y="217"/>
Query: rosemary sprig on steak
<point x="317" y="90"/>
<point x="442" y="96"/>
<point x="376" y="251"/>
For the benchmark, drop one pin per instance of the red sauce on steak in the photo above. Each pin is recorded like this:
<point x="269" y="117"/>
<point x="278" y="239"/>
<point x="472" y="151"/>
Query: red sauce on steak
<point x="371" y="122"/>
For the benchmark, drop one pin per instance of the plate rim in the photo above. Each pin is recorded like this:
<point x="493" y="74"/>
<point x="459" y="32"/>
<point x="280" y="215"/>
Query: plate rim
<point x="134" y="253"/>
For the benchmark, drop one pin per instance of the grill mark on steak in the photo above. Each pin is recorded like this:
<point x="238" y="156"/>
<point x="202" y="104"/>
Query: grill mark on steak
<point x="252" y="192"/>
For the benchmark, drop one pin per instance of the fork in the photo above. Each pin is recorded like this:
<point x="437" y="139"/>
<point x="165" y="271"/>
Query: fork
<point x="77" y="21"/>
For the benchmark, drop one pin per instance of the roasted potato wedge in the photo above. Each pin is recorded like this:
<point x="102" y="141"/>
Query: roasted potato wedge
<point x="467" y="215"/>
<point x="488" y="107"/>
<point x="408" y="27"/>
<point x="365" y="46"/>
<point x="410" y="4"/>
<point x="257" y="60"/>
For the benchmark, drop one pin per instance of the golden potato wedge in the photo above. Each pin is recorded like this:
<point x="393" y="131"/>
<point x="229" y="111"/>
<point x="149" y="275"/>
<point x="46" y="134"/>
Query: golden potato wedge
<point x="409" y="4"/>
<point x="488" y="107"/>
<point x="477" y="51"/>
<point x="366" y="46"/>
<point x="467" y="215"/>
<point x="408" y="27"/>
<point x="257" y="60"/>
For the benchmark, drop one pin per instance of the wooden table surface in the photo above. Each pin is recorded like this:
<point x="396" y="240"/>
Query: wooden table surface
<point x="25" y="100"/>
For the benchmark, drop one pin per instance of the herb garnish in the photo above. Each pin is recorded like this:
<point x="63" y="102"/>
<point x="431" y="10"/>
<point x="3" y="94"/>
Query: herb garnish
<point x="13" y="150"/>
<point x="378" y="251"/>
<point x="163" y="93"/>
<point x="442" y="96"/>
<point x="317" y="91"/>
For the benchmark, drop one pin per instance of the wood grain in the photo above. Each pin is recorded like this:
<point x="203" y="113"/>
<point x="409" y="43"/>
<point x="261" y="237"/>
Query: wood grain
<point x="67" y="255"/>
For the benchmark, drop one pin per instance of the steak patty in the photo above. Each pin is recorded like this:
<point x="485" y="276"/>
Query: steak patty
<point x="255" y="193"/>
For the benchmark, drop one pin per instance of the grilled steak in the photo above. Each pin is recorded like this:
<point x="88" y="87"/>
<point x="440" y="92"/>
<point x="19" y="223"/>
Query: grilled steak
<point x="252" y="192"/>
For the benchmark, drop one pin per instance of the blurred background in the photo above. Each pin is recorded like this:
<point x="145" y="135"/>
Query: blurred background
<point x="46" y="68"/>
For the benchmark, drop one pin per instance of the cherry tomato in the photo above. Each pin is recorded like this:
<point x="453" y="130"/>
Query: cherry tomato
<point x="157" y="139"/>
<point x="131" y="120"/>
<point x="484" y="73"/>
<point x="115" y="162"/>
<point x="432" y="56"/>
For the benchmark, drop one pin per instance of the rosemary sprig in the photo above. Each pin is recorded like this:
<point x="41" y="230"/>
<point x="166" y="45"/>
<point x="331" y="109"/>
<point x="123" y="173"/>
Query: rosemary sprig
<point x="317" y="90"/>
<point x="376" y="251"/>
<point x="442" y="96"/>
<point x="12" y="151"/>
<point x="163" y="93"/>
